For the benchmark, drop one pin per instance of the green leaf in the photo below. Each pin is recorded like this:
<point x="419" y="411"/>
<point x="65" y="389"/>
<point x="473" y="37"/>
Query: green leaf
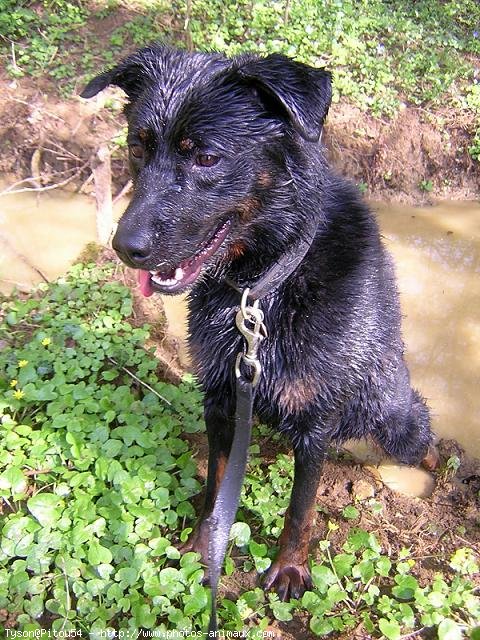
<point x="320" y="626"/>
<point x="45" y="507"/>
<point x="281" y="610"/>
<point x="196" y="602"/>
<point x="322" y="577"/>
<point x="343" y="564"/>
<point x="262" y="564"/>
<point x="229" y="566"/>
<point x="14" y="480"/>
<point x="390" y="628"/>
<point x="367" y="622"/>
<point x="350" y="512"/>
<point x="406" y="586"/>
<point x="127" y="576"/>
<point x="449" y="630"/>
<point x="383" y="566"/>
<point x="408" y="615"/>
<point x="172" y="553"/>
<point x="97" y="554"/>
<point x="357" y="539"/>
<point x="256" y="549"/>
<point x="240" y="533"/>
<point x="310" y="600"/>
<point x="364" y="570"/>
<point x="112" y="448"/>
<point x="35" y="606"/>
<point x="143" y="616"/>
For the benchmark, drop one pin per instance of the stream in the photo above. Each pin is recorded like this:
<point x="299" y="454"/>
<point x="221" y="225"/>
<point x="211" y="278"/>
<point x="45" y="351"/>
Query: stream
<point x="437" y="254"/>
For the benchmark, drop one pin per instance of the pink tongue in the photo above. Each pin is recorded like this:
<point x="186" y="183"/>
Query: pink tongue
<point x="144" y="283"/>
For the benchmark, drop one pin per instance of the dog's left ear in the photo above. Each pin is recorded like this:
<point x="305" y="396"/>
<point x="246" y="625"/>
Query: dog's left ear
<point x="127" y="77"/>
<point x="304" y="92"/>
<point x="131" y="75"/>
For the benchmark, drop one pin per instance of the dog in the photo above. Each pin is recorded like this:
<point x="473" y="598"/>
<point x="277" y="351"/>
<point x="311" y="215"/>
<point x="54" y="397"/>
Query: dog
<point x="229" y="173"/>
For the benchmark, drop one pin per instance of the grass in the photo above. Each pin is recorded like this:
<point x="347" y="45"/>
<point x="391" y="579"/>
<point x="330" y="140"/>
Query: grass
<point x="383" y="53"/>
<point x="96" y="482"/>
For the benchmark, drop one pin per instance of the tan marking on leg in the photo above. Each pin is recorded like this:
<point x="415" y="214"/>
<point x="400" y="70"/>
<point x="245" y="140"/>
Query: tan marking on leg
<point x="295" y="539"/>
<point x="296" y="395"/>
<point x="221" y="465"/>
<point x="289" y="575"/>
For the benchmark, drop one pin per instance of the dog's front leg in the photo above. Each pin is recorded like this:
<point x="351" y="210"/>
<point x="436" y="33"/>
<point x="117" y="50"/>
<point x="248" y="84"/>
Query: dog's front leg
<point x="220" y="430"/>
<point x="289" y="575"/>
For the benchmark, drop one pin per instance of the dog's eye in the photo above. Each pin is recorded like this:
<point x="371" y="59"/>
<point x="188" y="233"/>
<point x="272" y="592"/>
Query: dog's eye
<point x="136" y="150"/>
<point x="206" y="160"/>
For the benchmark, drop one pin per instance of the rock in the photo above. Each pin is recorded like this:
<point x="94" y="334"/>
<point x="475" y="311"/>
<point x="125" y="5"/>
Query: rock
<point x="362" y="490"/>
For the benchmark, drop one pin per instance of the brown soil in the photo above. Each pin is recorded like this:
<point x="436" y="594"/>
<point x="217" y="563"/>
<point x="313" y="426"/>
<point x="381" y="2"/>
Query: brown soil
<point x="394" y="157"/>
<point x="49" y="140"/>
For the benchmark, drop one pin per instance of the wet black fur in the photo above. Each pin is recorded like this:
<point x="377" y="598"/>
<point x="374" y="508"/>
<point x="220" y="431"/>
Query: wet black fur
<point x="334" y="324"/>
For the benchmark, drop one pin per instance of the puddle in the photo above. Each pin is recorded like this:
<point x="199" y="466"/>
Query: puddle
<point x="437" y="252"/>
<point x="46" y="231"/>
<point x="407" y="480"/>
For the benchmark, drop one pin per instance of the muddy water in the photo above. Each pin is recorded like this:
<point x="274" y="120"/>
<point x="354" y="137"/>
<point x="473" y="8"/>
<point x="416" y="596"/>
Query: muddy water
<point x="437" y="251"/>
<point x="45" y="232"/>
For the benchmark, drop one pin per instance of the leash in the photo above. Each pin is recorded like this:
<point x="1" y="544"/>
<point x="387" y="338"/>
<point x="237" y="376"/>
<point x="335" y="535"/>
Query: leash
<point x="249" y="321"/>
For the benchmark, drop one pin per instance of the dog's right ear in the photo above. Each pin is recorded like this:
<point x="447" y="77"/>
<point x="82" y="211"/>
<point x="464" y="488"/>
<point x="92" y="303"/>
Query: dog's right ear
<point x="303" y="92"/>
<point x="130" y="75"/>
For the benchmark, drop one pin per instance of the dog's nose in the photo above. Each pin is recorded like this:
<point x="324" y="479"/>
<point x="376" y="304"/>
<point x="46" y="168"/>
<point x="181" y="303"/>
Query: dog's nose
<point x="133" y="248"/>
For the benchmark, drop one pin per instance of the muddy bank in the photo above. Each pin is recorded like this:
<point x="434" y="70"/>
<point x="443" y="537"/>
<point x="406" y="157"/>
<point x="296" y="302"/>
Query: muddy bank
<point x="415" y="156"/>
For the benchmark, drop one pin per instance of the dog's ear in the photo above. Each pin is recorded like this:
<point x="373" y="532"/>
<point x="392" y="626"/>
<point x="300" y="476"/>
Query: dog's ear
<point x="130" y="75"/>
<point x="304" y="92"/>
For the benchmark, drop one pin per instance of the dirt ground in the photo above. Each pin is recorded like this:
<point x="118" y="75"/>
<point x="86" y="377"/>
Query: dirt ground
<point x="415" y="157"/>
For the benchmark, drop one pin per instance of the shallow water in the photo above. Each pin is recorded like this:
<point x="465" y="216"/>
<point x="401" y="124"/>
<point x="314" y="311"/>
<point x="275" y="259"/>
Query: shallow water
<point x="46" y="231"/>
<point x="436" y="249"/>
<point x="437" y="252"/>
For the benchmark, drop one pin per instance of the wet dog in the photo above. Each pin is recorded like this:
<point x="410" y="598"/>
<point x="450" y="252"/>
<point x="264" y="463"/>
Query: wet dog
<point x="229" y="175"/>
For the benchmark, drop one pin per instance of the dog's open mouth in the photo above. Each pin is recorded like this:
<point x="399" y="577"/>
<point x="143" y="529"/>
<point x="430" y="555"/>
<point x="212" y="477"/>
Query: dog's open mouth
<point x="186" y="272"/>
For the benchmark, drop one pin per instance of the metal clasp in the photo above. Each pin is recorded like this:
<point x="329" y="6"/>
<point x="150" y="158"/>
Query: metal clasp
<point x="253" y="335"/>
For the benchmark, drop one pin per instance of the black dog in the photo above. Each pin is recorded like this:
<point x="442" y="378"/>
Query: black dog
<point x="229" y="175"/>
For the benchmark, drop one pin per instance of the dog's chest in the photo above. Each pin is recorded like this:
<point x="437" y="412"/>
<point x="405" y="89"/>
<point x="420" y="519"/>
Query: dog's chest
<point x="214" y="339"/>
<point x="215" y="342"/>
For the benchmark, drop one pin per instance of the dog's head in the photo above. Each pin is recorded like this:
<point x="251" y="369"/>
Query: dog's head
<point x="213" y="145"/>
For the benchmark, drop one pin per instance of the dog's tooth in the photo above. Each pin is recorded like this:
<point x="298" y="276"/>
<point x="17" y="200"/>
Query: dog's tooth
<point x="165" y="283"/>
<point x="179" y="273"/>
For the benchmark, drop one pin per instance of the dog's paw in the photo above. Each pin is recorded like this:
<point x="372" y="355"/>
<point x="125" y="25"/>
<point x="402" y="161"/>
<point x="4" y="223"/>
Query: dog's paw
<point x="289" y="580"/>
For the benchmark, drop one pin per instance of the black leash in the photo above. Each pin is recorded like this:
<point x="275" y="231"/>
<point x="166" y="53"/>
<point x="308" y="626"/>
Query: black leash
<point x="249" y="321"/>
<point x="226" y="503"/>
